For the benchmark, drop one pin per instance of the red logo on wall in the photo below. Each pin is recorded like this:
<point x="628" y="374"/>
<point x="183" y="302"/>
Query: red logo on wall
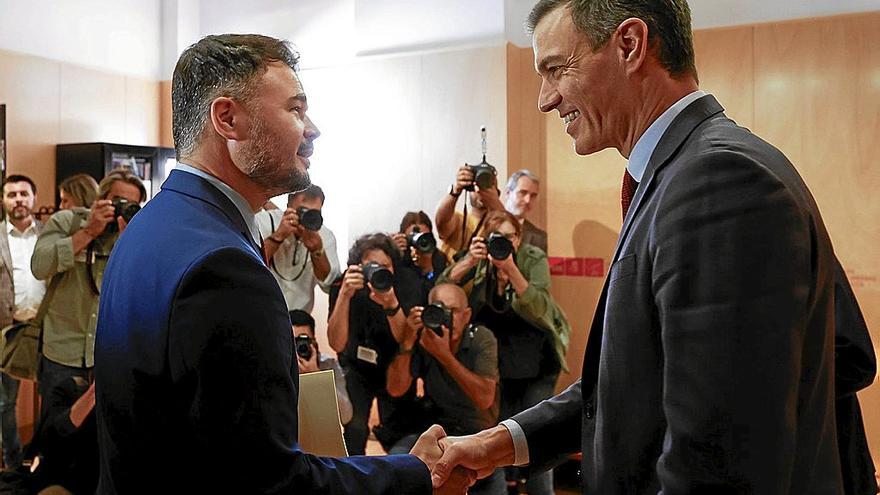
<point x="576" y="267"/>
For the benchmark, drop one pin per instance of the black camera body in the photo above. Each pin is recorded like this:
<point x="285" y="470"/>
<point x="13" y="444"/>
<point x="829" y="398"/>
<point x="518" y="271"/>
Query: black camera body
<point x="435" y="316"/>
<point x="122" y="208"/>
<point x="424" y="242"/>
<point x="499" y="247"/>
<point x="379" y="277"/>
<point x="485" y="176"/>
<point x="303" y="346"/>
<point x="310" y="219"/>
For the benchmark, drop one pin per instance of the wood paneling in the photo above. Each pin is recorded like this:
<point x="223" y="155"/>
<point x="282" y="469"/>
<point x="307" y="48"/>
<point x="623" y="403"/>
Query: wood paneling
<point x="725" y="63"/>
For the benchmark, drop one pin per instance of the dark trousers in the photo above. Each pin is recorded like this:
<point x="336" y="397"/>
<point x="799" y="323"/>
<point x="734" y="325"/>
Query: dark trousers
<point x="8" y="424"/>
<point x="517" y="395"/>
<point x="52" y="374"/>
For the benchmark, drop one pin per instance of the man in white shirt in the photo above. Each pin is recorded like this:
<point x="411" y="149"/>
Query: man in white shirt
<point x="21" y="291"/>
<point x="300" y="258"/>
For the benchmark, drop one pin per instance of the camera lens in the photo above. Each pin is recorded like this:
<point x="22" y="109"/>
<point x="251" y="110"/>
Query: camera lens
<point x="435" y="315"/>
<point x="379" y="277"/>
<point x="303" y="346"/>
<point x="122" y="208"/>
<point x="423" y="241"/>
<point x="310" y="219"/>
<point x="499" y="247"/>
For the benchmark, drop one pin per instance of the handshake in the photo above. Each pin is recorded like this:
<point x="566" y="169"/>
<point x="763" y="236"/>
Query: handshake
<point x="457" y="462"/>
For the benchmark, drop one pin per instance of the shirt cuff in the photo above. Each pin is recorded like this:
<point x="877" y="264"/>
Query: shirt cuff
<point x="520" y="444"/>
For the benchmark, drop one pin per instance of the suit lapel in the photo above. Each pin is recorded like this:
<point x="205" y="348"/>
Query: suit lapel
<point x="679" y="130"/>
<point x="197" y="187"/>
<point x="4" y="248"/>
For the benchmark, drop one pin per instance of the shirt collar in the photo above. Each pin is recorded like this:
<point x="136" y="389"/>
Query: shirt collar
<point x="10" y="229"/>
<point x="644" y="148"/>
<point x="237" y="199"/>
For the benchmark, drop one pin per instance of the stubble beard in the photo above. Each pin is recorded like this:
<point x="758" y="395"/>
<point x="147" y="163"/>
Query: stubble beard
<point x="273" y="176"/>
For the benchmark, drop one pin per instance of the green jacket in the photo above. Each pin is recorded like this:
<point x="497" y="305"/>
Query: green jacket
<point x="536" y="305"/>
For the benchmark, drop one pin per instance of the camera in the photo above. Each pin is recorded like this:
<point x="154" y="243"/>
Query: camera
<point x="423" y="241"/>
<point x="484" y="176"/>
<point x="435" y="316"/>
<point x="379" y="277"/>
<point x="303" y="345"/>
<point x="122" y="208"/>
<point x="499" y="246"/>
<point x="309" y="218"/>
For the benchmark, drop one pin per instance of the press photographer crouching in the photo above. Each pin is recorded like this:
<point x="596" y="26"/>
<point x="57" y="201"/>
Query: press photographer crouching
<point x="310" y="358"/>
<point x="418" y="247"/>
<point x="71" y="254"/>
<point x="367" y="319"/>
<point x="300" y="248"/>
<point x="458" y="363"/>
<point x="511" y="296"/>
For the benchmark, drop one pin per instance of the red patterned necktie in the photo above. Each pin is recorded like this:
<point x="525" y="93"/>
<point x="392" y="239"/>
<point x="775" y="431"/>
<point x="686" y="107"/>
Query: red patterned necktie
<point x="627" y="190"/>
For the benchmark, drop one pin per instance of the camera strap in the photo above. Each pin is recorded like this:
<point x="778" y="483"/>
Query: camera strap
<point x="465" y="239"/>
<point x="295" y="249"/>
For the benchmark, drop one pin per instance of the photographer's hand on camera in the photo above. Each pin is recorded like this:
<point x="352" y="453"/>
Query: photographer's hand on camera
<point x="402" y="244"/>
<point x="508" y="272"/>
<point x="490" y="198"/>
<point x="352" y="281"/>
<point x="387" y="299"/>
<point x="464" y="179"/>
<point x="414" y="325"/>
<point x="310" y="365"/>
<point x="100" y="215"/>
<point x="436" y="345"/>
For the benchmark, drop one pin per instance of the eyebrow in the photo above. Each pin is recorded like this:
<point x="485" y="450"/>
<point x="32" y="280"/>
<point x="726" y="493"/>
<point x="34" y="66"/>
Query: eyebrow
<point x="300" y="97"/>
<point x="548" y="60"/>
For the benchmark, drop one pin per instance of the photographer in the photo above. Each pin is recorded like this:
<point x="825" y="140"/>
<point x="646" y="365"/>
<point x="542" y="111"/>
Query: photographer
<point x="510" y="296"/>
<point x="74" y="247"/>
<point x="78" y="190"/>
<point x="310" y="358"/>
<point x="458" y="363"/>
<point x="301" y="250"/>
<point x="366" y="322"/>
<point x="482" y="199"/>
<point x="418" y="247"/>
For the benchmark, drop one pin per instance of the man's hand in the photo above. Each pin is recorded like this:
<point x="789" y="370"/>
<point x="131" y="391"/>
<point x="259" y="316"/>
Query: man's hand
<point x="310" y="238"/>
<point x="463" y="178"/>
<point x="482" y="453"/>
<point x="387" y="299"/>
<point x="101" y="214"/>
<point x="436" y="345"/>
<point x="352" y="282"/>
<point x="401" y="243"/>
<point x="310" y="365"/>
<point x="507" y="266"/>
<point x="413" y="326"/>
<point x="428" y="450"/>
<point x="288" y="225"/>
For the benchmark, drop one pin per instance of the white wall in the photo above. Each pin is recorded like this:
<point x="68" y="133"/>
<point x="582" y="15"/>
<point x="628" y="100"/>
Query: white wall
<point x="119" y="36"/>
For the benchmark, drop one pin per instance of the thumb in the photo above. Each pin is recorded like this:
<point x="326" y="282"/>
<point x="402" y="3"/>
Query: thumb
<point x="444" y="466"/>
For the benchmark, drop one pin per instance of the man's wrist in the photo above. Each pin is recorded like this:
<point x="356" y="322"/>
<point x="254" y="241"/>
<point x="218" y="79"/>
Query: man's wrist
<point x="454" y="192"/>
<point x="317" y="253"/>
<point x="391" y="310"/>
<point x="275" y="239"/>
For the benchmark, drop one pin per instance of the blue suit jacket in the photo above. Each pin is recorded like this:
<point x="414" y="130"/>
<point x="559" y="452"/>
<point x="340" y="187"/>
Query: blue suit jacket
<point x="196" y="385"/>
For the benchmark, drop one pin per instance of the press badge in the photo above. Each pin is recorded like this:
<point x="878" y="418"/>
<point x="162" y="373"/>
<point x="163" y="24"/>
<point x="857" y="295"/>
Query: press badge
<point x="368" y="355"/>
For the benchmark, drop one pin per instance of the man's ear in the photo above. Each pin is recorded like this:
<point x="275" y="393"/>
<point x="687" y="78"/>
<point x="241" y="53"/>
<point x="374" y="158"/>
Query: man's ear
<point x="632" y="44"/>
<point x="229" y="119"/>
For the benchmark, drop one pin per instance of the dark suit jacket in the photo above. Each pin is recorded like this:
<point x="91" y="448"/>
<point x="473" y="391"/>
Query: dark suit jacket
<point x="196" y="386"/>
<point x="533" y="235"/>
<point x="710" y="363"/>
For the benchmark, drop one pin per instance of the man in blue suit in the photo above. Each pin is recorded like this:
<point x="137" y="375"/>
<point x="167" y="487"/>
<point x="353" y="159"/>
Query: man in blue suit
<point x="196" y="385"/>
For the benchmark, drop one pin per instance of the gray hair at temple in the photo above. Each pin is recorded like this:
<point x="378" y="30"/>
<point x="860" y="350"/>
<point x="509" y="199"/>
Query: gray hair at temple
<point x="514" y="178"/>
<point x="219" y="65"/>
<point x="668" y="21"/>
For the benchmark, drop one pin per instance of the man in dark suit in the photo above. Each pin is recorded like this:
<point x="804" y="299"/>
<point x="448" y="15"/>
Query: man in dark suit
<point x="196" y="384"/>
<point x="710" y="363"/>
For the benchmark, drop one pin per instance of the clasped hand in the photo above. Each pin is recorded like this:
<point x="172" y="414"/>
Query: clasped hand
<point x="457" y="462"/>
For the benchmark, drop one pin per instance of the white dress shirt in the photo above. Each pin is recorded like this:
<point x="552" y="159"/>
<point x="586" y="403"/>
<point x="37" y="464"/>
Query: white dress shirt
<point x="28" y="290"/>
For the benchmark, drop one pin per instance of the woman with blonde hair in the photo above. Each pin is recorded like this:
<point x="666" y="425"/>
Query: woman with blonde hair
<point x="80" y="190"/>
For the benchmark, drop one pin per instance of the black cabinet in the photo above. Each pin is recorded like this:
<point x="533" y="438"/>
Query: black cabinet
<point x="152" y="164"/>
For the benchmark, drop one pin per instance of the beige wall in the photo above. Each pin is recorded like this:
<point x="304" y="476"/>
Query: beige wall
<point x="49" y="102"/>
<point x="810" y="87"/>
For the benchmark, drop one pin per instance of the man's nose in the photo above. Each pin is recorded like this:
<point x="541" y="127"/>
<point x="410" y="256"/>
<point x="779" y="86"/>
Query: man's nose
<point x="311" y="131"/>
<point x="548" y="98"/>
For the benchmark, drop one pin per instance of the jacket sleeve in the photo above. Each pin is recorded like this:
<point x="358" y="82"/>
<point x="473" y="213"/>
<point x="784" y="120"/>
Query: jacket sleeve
<point x="553" y="427"/>
<point x="53" y="252"/>
<point x="854" y="362"/>
<point x="230" y="342"/>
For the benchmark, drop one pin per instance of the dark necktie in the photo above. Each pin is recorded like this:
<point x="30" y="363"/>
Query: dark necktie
<point x="627" y="190"/>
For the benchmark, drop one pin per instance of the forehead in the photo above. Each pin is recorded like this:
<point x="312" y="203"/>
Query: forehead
<point x="525" y="183"/>
<point x="378" y="256"/>
<point x="448" y="295"/>
<point x="16" y="187"/>
<point x="299" y="329"/>
<point x="507" y="228"/>
<point x="280" y="81"/>
<point x="554" y="38"/>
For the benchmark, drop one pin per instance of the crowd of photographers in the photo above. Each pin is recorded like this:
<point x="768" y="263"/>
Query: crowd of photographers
<point x="447" y="322"/>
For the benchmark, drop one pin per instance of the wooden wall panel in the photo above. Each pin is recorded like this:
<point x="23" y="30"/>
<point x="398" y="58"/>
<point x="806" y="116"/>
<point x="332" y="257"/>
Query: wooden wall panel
<point x="92" y="106"/>
<point x="142" y="112"/>
<point x="166" y="137"/>
<point x="725" y="64"/>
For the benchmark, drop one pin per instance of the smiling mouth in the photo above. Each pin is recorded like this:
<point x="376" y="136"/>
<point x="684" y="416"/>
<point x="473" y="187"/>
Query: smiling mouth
<point x="304" y="153"/>
<point x="570" y="117"/>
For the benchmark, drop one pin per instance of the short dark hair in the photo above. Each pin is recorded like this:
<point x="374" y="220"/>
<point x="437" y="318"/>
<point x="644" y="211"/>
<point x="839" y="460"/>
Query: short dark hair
<point x="668" y="21"/>
<point x="371" y="242"/>
<point x="414" y="217"/>
<point x="299" y="317"/>
<point x="20" y="178"/>
<point x="215" y="66"/>
<point x="312" y="192"/>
